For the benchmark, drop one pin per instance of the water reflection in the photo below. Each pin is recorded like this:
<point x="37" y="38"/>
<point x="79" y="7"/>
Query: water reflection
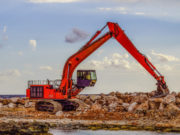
<point x="105" y="132"/>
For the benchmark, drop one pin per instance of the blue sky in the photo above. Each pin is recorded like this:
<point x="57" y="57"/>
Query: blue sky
<point x="33" y="45"/>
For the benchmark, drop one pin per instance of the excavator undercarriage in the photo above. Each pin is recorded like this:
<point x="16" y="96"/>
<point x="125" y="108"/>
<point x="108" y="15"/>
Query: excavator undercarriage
<point x="54" y="106"/>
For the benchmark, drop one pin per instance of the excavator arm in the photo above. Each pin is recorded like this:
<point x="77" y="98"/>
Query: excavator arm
<point x="122" y="38"/>
<point x="91" y="46"/>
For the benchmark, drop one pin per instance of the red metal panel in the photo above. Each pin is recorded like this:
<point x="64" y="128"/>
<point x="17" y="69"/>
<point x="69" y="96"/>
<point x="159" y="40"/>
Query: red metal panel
<point x="27" y="93"/>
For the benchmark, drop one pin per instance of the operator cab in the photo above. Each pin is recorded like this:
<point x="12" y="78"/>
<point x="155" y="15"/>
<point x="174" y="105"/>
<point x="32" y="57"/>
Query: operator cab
<point x="86" y="78"/>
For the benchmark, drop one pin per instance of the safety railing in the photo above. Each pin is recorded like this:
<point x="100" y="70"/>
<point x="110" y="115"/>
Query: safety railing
<point x="54" y="83"/>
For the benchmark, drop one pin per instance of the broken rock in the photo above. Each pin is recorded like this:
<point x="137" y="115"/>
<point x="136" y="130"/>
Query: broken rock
<point x="59" y="113"/>
<point x="161" y="107"/>
<point x="177" y="100"/>
<point x="14" y="99"/>
<point x="96" y="106"/>
<point x="126" y="106"/>
<point x="21" y="101"/>
<point x="1" y="105"/>
<point x="6" y="101"/>
<point x="28" y="104"/>
<point x="11" y="105"/>
<point x="112" y="106"/>
<point x="143" y="107"/>
<point x="88" y="101"/>
<point x="82" y="97"/>
<point x="156" y="100"/>
<point x="173" y="107"/>
<point x="152" y="105"/>
<point x="132" y="107"/>
<point x="93" y="98"/>
<point x="170" y="99"/>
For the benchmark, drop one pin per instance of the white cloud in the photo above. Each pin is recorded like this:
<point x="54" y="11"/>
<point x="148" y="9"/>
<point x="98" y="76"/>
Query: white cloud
<point x="49" y="68"/>
<point x="118" y="61"/>
<point x="164" y="67"/>
<point x="121" y="10"/>
<point x="168" y="11"/>
<point x="139" y="13"/>
<point x="167" y="68"/>
<point x="116" y="56"/>
<point x="52" y="1"/>
<point x="124" y="12"/>
<point x="105" y="9"/>
<point x="126" y="55"/>
<point x="33" y="44"/>
<point x="126" y="1"/>
<point x="159" y="9"/>
<point x="115" y="61"/>
<point x="5" y="37"/>
<point x="149" y="57"/>
<point x="69" y="1"/>
<point x="119" y="56"/>
<point x="10" y="73"/>
<point x="5" y="29"/>
<point x="1" y="46"/>
<point x="20" y="53"/>
<point x="164" y="57"/>
<point x="28" y="73"/>
<point x="100" y="52"/>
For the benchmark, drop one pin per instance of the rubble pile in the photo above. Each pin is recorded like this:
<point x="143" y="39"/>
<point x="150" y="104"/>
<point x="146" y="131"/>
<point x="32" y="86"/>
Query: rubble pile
<point x="131" y="105"/>
<point x="112" y="106"/>
<point x="16" y="102"/>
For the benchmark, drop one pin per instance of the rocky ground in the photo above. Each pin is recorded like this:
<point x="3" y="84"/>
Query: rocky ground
<point x="132" y="111"/>
<point x="24" y="128"/>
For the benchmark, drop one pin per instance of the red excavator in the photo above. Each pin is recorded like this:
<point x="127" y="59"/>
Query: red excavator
<point x="58" y="95"/>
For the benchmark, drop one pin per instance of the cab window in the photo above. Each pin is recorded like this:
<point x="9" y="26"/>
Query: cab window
<point x="88" y="76"/>
<point x="93" y="76"/>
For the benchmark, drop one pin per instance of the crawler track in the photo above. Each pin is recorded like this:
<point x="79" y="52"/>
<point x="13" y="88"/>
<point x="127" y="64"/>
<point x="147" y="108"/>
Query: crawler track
<point x="48" y="106"/>
<point x="54" y="106"/>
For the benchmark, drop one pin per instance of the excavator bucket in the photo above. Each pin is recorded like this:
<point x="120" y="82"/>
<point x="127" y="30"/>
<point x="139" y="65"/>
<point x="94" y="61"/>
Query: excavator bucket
<point x="161" y="92"/>
<point x="86" y="78"/>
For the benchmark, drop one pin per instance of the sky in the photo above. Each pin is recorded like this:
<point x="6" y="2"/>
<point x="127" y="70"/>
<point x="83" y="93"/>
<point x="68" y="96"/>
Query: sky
<point x="38" y="36"/>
